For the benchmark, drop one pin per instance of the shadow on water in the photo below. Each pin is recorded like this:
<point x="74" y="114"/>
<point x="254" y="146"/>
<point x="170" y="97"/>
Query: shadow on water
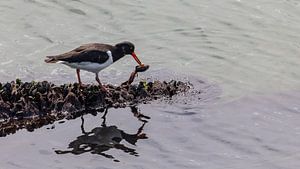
<point x="105" y="137"/>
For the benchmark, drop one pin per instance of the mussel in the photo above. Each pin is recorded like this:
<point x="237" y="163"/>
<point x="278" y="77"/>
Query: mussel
<point x="141" y="68"/>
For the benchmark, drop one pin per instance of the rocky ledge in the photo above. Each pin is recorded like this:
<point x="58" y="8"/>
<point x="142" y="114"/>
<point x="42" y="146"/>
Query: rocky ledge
<point x="31" y="105"/>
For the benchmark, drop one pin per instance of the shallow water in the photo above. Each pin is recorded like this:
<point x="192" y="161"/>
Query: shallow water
<point x="243" y="55"/>
<point x="253" y="132"/>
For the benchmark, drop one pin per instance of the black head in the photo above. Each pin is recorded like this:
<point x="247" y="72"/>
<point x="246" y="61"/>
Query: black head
<point x="126" y="47"/>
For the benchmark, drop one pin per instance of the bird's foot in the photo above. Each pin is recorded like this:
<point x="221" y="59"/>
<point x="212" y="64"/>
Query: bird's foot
<point x="82" y="85"/>
<point x="104" y="89"/>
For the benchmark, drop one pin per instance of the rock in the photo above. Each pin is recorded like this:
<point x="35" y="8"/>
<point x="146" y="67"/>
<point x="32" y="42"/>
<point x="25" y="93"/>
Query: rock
<point x="31" y="105"/>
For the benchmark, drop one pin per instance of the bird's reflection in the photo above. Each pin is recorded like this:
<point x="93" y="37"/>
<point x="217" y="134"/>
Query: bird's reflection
<point x="101" y="139"/>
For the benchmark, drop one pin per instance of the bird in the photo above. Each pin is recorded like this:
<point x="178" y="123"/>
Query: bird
<point x="94" y="57"/>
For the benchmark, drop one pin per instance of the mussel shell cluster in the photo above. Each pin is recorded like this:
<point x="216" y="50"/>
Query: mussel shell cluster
<point x="34" y="104"/>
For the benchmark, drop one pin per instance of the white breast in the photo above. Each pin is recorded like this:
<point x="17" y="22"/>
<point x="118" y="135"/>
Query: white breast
<point x="90" y="66"/>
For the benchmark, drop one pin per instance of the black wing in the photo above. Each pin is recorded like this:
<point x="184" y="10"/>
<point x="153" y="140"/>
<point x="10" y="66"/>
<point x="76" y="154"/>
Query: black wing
<point x="87" y="56"/>
<point x="94" y="52"/>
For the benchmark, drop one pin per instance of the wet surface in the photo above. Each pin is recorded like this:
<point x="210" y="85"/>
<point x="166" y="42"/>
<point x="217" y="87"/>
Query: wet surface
<point x="93" y="135"/>
<point x="109" y="136"/>
<point x="229" y="135"/>
<point x="244" y="56"/>
<point x="101" y="139"/>
<point x="31" y="105"/>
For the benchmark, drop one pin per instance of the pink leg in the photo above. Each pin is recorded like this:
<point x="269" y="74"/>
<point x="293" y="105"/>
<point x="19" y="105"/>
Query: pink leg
<point x="100" y="84"/>
<point x="78" y="76"/>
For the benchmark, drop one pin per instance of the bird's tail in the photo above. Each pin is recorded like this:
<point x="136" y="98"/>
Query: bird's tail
<point x="50" y="59"/>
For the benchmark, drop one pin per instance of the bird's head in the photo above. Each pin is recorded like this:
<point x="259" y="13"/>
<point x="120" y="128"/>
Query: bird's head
<point x="128" y="49"/>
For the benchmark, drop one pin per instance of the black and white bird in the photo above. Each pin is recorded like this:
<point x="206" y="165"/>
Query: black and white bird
<point x="94" y="57"/>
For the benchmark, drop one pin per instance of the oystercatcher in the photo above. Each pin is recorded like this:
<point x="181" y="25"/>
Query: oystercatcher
<point x="94" y="57"/>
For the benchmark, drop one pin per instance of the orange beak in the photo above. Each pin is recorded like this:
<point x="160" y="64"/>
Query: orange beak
<point x="137" y="59"/>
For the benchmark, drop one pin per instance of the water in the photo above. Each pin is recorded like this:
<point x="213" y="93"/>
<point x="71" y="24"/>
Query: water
<point x="245" y="53"/>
